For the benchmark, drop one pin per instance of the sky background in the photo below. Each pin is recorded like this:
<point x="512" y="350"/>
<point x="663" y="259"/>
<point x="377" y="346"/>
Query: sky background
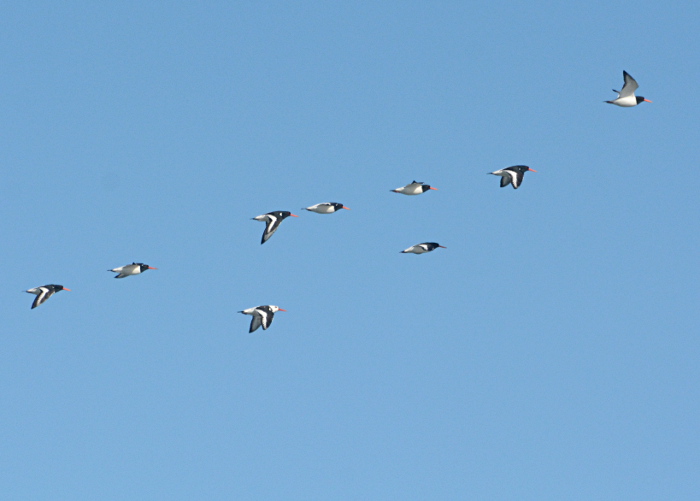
<point x="549" y="352"/>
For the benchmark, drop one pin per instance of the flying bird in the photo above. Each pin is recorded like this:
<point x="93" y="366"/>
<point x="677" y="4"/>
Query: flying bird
<point x="414" y="188"/>
<point x="422" y="248"/>
<point x="326" y="208"/>
<point x="131" y="269"/>
<point x="262" y="315"/>
<point x="513" y="175"/>
<point x="272" y="221"/>
<point x="626" y="97"/>
<point x="44" y="292"/>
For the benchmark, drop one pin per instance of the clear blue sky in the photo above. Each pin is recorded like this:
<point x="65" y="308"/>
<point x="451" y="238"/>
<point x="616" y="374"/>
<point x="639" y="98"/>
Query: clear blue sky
<point x="550" y="352"/>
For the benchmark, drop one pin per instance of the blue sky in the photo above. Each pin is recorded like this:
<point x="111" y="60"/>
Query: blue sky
<point x="550" y="352"/>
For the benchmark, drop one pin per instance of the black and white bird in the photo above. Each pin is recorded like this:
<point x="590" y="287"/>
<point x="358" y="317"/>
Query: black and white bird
<point x="626" y="97"/>
<point x="262" y="315"/>
<point x="272" y="221"/>
<point x="131" y="269"/>
<point x="414" y="188"/>
<point x="422" y="248"/>
<point x="44" y="292"/>
<point x="513" y="175"/>
<point x="326" y="208"/>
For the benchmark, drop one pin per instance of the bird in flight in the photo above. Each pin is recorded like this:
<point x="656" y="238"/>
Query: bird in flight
<point x="626" y="97"/>
<point x="513" y="175"/>
<point x="414" y="188"/>
<point x="326" y="208"/>
<point x="44" y="292"/>
<point x="422" y="248"/>
<point x="262" y="315"/>
<point x="131" y="269"/>
<point x="272" y="221"/>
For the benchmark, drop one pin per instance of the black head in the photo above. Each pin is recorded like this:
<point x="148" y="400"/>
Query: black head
<point x="338" y="206"/>
<point x="640" y="99"/>
<point x="282" y="214"/>
<point x="520" y="168"/>
<point x="57" y="288"/>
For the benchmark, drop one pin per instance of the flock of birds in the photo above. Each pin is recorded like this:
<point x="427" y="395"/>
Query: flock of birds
<point x="264" y="314"/>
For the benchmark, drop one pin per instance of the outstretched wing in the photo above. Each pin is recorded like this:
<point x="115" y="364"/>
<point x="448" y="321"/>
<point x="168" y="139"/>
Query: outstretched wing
<point x="506" y="180"/>
<point x="517" y="178"/>
<point x="43" y="295"/>
<point x="267" y="317"/>
<point x="630" y="85"/>
<point x="255" y="323"/>
<point x="272" y="224"/>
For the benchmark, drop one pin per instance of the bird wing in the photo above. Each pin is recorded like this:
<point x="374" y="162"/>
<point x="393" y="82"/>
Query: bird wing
<point x="517" y="178"/>
<point x="630" y="85"/>
<point x="272" y="224"/>
<point x="267" y="319"/>
<point x="42" y="296"/>
<point x="255" y="323"/>
<point x="506" y="179"/>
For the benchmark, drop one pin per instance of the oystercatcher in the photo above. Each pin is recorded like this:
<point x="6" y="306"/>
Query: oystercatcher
<point x="422" y="248"/>
<point x="626" y="97"/>
<point x="44" y="292"/>
<point x="131" y="269"/>
<point x="272" y="221"/>
<point x="414" y="188"/>
<point x="326" y="208"/>
<point x="513" y="175"/>
<point x="262" y="315"/>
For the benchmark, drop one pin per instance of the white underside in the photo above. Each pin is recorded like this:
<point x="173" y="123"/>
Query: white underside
<point x="416" y="249"/>
<point x="626" y="102"/>
<point x="129" y="269"/>
<point x="321" y="209"/>
<point x="410" y="189"/>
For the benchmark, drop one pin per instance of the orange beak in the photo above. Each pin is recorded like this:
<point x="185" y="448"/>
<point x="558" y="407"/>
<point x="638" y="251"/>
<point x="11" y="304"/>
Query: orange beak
<point x="294" y="215"/>
<point x="433" y="188"/>
<point x="533" y="170"/>
<point x="152" y="268"/>
<point x="282" y="309"/>
<point x="66" y="289"/>
<point x="442" y="246"/>
<point x="347" y="208"/>
<point x="648" y="101"/>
